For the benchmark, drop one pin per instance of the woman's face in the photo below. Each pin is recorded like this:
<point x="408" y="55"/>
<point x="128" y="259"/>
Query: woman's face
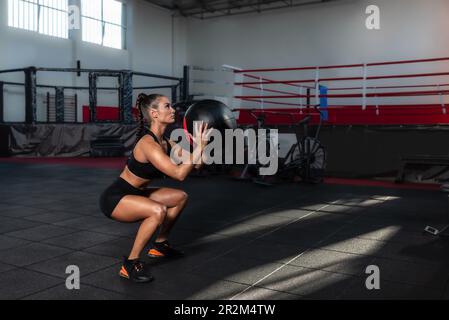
<point x="164" y="113"/>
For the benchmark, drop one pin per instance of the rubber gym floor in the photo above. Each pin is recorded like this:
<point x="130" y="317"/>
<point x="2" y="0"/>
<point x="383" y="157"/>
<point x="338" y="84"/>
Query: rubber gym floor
<point x="243" y="241"/>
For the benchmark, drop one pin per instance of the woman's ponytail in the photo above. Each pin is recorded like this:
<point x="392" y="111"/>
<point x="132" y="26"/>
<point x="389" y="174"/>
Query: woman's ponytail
<point x="141" y="120"/>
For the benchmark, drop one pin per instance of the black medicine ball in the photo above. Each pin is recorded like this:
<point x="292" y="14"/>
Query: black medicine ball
<point x="213" y="112"/>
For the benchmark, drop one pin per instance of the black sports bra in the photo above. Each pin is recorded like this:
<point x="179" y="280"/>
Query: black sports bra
<point x="147" y="170"/>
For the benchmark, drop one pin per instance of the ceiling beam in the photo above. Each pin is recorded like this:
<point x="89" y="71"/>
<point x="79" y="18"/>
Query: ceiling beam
<point x="282" y="4"/>
<point x="206" y="9"/>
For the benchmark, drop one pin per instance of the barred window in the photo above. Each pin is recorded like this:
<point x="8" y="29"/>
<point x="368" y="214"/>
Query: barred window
<point x="49" y="17"/>
<point x="102" y="23"/>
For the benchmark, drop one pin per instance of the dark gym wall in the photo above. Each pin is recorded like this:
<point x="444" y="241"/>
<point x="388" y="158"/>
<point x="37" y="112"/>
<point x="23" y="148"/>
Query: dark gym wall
<point x="352" y="151"/>
<point x="358" y="151"/>
<point x="4" y="141"/>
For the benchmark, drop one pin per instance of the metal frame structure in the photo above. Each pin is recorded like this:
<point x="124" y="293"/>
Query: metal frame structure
<point x="125" y="90"/>
<point x="203" y="9"/>
<point x="61" y="108"/>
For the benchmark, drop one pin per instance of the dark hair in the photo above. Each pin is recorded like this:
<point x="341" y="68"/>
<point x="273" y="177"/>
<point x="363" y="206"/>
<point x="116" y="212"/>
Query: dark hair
<point x="144" y="103"/>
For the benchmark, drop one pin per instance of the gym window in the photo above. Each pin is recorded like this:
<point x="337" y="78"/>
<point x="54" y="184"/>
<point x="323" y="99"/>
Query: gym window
<point x="49" y="17"/>
<point x="102" y="23"/>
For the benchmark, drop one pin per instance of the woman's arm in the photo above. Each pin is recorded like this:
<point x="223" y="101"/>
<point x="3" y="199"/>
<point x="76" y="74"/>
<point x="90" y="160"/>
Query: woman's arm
<point x="159" y="159"/>
<point x="156" y="155"/>
<point x="178" y="152"/>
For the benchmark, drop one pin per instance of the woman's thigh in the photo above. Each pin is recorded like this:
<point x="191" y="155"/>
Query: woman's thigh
<point x="136" y="208"/>
<point x="169" y="196"/>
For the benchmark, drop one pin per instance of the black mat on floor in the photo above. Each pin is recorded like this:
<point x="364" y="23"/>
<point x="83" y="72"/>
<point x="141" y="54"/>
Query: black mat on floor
<point x="243" y="241"/>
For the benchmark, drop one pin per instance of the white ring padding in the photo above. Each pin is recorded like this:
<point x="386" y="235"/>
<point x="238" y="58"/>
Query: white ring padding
<point x="365" y="74"/>
<point x="238" y="90"/>
<point x="440" y="97"/>
<point x="199" y="68"/>
<point x="227" y="66"/>
<point x="377" y="102"/>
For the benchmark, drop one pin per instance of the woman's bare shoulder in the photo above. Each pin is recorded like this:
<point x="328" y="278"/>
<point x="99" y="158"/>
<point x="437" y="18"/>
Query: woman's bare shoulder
<point x="148" y="140"/>
<point x="144" y="144"/>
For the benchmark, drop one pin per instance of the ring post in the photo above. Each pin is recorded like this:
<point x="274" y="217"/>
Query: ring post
<point x="324" y="103"/>
<point x="59" y="104"/>
<point x="185" y="83"/>
<point x="365" y="73"/>
<point x="2" y="86"/>
<point x="174" y="94"/>
<point x="30" y="95"/>
<point x="126" y="97"/>
<point x="92" y="96"/>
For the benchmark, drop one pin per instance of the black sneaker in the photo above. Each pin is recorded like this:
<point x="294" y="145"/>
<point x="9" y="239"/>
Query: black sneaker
<point x="164" y="249"/>
<point x="135" y="270"/>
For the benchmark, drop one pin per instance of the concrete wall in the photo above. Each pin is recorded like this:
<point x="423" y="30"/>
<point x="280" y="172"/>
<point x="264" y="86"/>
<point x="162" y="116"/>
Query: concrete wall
<point x="322" y="34"/>
<point x="326" y="34"/>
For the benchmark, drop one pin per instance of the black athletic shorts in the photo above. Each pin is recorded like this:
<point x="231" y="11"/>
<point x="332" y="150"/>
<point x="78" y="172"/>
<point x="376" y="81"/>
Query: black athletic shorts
<point x="110" y="197"/>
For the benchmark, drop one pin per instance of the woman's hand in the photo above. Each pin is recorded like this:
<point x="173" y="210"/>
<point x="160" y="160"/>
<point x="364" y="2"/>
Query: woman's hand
<point x="201" y="135"/>
<point x="200" y="138"/>
<point x="157" y="156"/>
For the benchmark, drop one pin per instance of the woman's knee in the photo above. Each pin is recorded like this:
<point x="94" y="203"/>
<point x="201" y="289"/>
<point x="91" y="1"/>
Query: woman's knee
<point x="160" y="212"/>
<point x="184" y="196"/>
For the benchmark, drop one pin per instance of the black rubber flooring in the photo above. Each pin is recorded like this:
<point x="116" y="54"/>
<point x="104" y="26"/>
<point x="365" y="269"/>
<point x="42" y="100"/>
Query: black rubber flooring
<point x="243" y="241"/>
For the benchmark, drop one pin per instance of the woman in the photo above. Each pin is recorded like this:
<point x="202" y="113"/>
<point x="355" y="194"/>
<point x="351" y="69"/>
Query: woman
<point x="126" y="200"/>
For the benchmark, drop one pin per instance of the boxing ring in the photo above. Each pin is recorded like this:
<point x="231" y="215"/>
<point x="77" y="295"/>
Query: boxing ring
<point x="362" y="94"/>
<point x="373" y="114"/>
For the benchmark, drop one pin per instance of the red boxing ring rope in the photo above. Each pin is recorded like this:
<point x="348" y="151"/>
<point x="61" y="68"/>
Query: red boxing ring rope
<point x="344" y="66"/>
<point x="356" y="95"/>
<point x="347" y="79"/>
<point x="367" y="113"/>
